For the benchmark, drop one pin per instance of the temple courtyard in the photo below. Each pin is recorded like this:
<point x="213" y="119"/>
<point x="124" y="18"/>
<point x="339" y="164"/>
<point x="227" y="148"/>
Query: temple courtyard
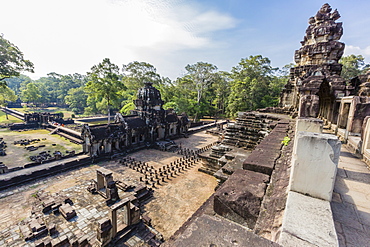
<point x="174" y="200"/>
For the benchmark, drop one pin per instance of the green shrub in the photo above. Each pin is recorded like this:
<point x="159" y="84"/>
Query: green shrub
<point x="286" y="141"/>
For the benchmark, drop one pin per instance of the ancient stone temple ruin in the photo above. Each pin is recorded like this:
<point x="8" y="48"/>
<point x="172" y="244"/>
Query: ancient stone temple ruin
<point x="148" y="123"/>
<point x="316" y="89"/>
<point x="315" y="81"/>
<point x="239" y="139"/>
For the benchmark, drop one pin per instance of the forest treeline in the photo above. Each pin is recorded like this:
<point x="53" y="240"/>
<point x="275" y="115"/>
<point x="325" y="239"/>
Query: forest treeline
<point x="203" y="90"/>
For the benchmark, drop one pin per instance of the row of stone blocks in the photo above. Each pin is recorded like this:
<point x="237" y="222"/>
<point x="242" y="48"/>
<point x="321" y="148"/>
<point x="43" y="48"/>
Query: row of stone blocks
<point x="263" y="157"/>
<point x="176" y="167"/>
<point x="308" y="219"/>
<point x="155" y="177"/>
<point x="239" y="198"/>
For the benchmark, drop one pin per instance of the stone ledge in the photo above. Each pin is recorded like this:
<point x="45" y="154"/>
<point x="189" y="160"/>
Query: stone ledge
<point x="209" y="230"/>
<point x="307" y="222"/>
<point x="263" y="157"/>
<point x="314" y="164"/>
<point x="239" y="198"/>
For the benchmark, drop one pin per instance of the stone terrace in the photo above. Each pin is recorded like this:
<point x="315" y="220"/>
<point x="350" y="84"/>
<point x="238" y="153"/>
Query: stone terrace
<point x="351" y="201"/>
<point x="174" y="200"/>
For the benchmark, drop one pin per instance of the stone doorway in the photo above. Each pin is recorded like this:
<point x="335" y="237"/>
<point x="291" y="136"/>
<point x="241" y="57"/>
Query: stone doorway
<point x="326" y="100"/>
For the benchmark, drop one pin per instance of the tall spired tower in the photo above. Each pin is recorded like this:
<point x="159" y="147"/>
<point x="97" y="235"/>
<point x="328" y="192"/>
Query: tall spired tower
<point x="315" y="81"/>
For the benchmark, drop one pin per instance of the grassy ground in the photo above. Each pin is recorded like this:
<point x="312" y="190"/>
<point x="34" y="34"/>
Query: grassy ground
<point x="99" y="122"/>
<point x="10" y="119"/>
<point x="67" y="113"/>
<point x="17" y="155"/>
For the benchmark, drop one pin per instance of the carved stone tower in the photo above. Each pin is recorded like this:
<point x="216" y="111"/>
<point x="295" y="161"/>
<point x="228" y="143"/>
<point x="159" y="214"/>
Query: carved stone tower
<point x="149" y="108"/>
<point x="315" y="81"/>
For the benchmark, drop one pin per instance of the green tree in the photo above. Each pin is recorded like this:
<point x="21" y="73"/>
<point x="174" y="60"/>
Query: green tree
<point x="136" y="73"/>
<point x="58" y="85"/>
<point x="6" y="95"/>
<point x="352" y="66"/>
<point x="126" y="109"/>
<point x="200" y="77"/>
<point x="221" y="89"/>
<point x="15" y="83"/>
<point x="251" y="85"/>
<point x="31" y="93"/>
<point x="104" y="82"/>
<point x="11" y="61"/>
<point x="76" y="99"/>
<point x="134" y="76"/>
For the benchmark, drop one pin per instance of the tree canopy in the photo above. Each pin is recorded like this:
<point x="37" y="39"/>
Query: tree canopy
<point x="104" y="83"/>
<point x="353" y="65"/>
<point x="12" y="61"/>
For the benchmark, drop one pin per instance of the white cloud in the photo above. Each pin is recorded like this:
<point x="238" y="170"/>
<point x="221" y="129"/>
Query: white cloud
<point x="350" y="49"/>
<point x="67" y="36"/>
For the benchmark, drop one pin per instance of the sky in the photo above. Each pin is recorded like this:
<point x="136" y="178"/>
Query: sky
<point x="70" y="36"/>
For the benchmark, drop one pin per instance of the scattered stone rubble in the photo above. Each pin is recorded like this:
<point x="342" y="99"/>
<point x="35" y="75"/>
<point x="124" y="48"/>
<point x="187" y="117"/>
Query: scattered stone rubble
<point x="87" y="221"/>
<point x="2" y="147"/>
<point x="46" y="156"/>
<point x="25" y="142"/>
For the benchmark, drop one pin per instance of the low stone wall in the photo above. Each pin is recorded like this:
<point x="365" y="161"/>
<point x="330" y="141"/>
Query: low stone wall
<point x="263" y="157"/>
<point x="308" y="219"/>
<point x="8" y="180"/>
<point x="204" y="127"/>
<point x="239" y="198"/>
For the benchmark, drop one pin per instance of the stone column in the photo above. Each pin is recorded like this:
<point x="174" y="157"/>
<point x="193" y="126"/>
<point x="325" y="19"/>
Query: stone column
<point x="314" y="164"/>
<point x="309" y="125"/>
<point x="100" y="180"/>
<point x="113" y="218"/>
<point x="314" y="125"/>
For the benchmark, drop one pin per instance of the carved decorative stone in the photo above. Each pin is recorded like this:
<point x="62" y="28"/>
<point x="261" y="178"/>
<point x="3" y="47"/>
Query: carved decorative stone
<point x="316" y="76"/>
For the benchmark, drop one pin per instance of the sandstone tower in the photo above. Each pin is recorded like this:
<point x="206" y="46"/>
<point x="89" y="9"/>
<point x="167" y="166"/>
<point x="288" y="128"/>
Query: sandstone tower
<point x="315" y="81"/>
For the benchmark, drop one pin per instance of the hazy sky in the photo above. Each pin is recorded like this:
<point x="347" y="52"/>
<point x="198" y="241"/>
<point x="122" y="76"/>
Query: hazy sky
<point x="70" y="36"/>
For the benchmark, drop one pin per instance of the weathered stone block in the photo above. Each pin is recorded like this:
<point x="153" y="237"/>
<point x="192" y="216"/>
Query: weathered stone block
<point x="307" y="222"/>
<point x="309" y="125"/>
<point x="67" y="211"/>
<point x="239" y="198"/>
<point x="209" y="230"/>
<point x="308" y="106"/>
<point x="314" y="164"/>
<point x="262" y="160"/>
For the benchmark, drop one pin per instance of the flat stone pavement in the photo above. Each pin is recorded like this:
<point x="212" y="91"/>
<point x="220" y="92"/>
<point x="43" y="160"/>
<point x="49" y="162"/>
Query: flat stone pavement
<point x="351" y="201"/>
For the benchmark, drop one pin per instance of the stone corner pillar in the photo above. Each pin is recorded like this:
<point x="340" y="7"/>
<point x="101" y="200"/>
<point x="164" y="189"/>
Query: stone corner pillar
<point x="314" y="164"/>
<point x="309" y="125"/>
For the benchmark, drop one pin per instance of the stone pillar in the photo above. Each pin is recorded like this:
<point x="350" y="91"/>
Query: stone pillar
<point x="314" y="164"/>
<point x="365" y="135"/>
<point x="100" y="180"/>
<point x="365" y="148"/>
<point x="113" y="218"/>
<point x="314" y="125"/>
<point x="104" y="230"/>
<point x="309" y="125"/>
<point x="107" y="146"/>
